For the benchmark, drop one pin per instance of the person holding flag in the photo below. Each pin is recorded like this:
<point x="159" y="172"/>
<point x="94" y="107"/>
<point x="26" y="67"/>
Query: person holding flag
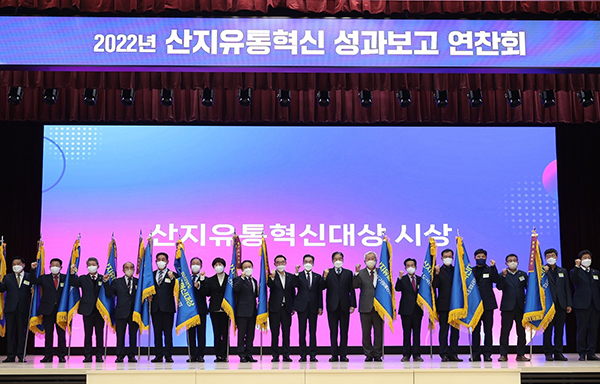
<point x="145" y="288"/>
<point x="36" y="320"/>
<point x="426" y="292"/>
<point x="17" y="286"/>
<point x="214" y="287"/>
<point x="245" y="288"/>
<point x="106" y="302"/>
<point x="69" y="300"/>
<point x="410" y="312"/>
<point x="442" y="282"/>
<point x="197" y="335"/>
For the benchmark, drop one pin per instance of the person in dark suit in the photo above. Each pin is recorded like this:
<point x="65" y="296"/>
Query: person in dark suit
<point x="558" y="279"/>
<point x="163" y="309"/>
<point x="341" y="302"/>
<point x="16" y="309"/>
<point x="124" y="289"/>
<point x="197" y="335"/>
<point x="281" y="308"/>
<point x="586" y="302"/>
<point x="366" y="280"/>
<point x="93" y="322"/>
<point x="245" y="288"/>
<point x="52" y="286"/>
<point x="485" y="276"/>
<point x="214" y="287"/>
<point x="308" y="304"/>
<point x="410" y="312"/>
<point x="442" y="282"/>
<point x="512" y="283"/>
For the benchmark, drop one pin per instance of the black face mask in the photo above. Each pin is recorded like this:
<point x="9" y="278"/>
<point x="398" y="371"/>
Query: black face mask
<point x="480" y="262"/>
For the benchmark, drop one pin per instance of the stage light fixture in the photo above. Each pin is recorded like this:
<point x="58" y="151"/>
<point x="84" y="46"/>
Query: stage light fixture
<point x="366" y="98"/>
<point x="166" y="97"/>
<point x="245" y="96"/>
<point x="404" y="99"/>
<point x="208" y="97"/>
<point x="15" y="95"/>
<point x="586" y="98"/>
<point x="50" y="96"/>
<point x="127" y="97"/>
<point x="90" y="96"/>
<point x="548" y="99"/>
<point x="475" y="98"/>
<point x="513" y="96"/>
<point x="284" y="97"/>
<point x="323" y="98"/>
<point x="441" y="98"/>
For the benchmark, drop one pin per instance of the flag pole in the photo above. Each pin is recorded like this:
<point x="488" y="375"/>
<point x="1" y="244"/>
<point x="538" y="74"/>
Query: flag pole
<point x="530" y="343"/>
<point x="470" y="342"/>
<point x="149" y="326"/>
<point x="431" y="340"/>
<point x="228" y="334"/>
<point x="189" y="349"/>
<point x="70" y="336"/>
<point x="139" y="344"/>
<point x="105" y="338"/>
<point x="261" y="344"/>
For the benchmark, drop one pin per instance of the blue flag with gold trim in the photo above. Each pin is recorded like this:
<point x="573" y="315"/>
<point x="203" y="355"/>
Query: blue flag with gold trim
<point x="385" y="297"/>
<point x="187" y="311"/>
<point x="262" y="315"/>
<point x="426" y="295"/>
<point x="228" y="303"/>
<point x="36" y="324"/>
<point x="69" y="301"/>
<point x="466" y="306"/>
<point x="2" y="294"/>
<point x="145" y="289"/>
<point x="105" y="303"/>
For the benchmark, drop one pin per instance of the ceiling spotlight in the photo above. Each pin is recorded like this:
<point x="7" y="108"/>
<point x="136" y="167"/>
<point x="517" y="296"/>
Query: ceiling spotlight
<point x="586" y="97"/>
<point x="127" y="97"/>
<point x="208" y="97"/>
<point x="548" y="99"/>
<point x="90" y="96"/>
<point x="245" y="96"/>
<point x="513" y="96"/>
<point x="15" y="95"/>
<point x="166" y="97"/>
<point x="404" y="99"/>
<point x="323" y="98"/>
<point x="284" y="97"/>
<point x="441" y="98"/>
<point x="475" y="98"/>
<point x="50" y="96"/>
<point x="365" y="97"/>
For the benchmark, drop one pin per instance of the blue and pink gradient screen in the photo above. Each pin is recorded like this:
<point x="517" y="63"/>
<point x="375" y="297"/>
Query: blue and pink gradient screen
<point x="312" y="190"/>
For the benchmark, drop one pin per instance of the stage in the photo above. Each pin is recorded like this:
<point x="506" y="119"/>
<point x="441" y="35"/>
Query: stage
<point x="357" y="371"/>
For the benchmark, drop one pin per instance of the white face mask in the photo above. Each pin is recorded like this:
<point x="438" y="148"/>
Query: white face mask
<point x="129" y="272"/>
<point x="370" y="263"/>
<point x="195" y="268"/>
<point x="513" y="265"/>
<point x="161" y="264"/>
<point x="219" y="268"/>
<point x="551" y="261"/>
<point x="248" y="272"/>
<point x="17" y="268"/>
<point x="448" y="261"/>
<point x="92" y="268"/>
<point x="281" y="268"/>
<point x="308" y="266"/>
<point x="338" y="263"/>
<point x="410" y="270"/>
<point x="586" y="262"/>
<point x="55" y="270"/>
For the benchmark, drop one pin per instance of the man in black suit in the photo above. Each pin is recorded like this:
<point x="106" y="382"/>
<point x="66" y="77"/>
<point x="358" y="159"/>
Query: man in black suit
<point x="245" y="288"/>
<point x="512" y="283"/>
<point x="214" y="287"/>
<point x="124" y="289"/>
<point x="558" y="279"/>
<point x="586" y="302"/>
<point x="409" y="311"/>
<point x="92" y="320"/>
<point x="281" y="308"/>
<point x="442" y="282"/>
<point x="52" y="286"/>
<point x="197" y="335"/>
<point x="16" y="309"/>
<point x="485" y="276"/>
<point x="308" y="304"/>
<point x="163" y="309"/>
<point x="341" y="302"/>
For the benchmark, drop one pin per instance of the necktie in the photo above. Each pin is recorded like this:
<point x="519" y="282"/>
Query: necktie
<point x="309" y="279"/>
<point x="55" y="281"/>
<point x="414" y="284"/>
<point x="93" y="277"/>
<point x="338" y="271"/>
<point x="160" y="277"/>
<point x="18" y="280"/>
<point x="372" y="275"/>
<point x="129" y="285"/>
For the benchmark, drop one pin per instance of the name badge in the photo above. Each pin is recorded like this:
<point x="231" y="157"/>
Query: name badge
<point x="417" y="286"/>
<point x="521" y="278"/>
<point x="26" y="282"/>
<point x="100" y="283"/>
<point x="595" y="277"/>
<point x="560" y="274"/>
<point x="62" y="284"/>
<point x="136" y="286"/>
<point x="167" y="280"/>
<point x="486" y="276"/>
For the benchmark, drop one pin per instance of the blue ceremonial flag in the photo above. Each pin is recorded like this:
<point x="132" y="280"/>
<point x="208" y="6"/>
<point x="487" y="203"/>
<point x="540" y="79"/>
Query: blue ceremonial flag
<point x="228" y="303"/>
<point x="3" y="294"/>
<point x="426" y="296"/>
<point x="385" y="297"/>
<point x="262" y="316"/>
<point x="69" y="301"/>
<point x="106" y="304"/>
<point x="539" y="306"/>
<point x="145" y="289"/>
<point x="36" y="324"/>
<point x="187" y="311"/>
<point x="466" y="306"/>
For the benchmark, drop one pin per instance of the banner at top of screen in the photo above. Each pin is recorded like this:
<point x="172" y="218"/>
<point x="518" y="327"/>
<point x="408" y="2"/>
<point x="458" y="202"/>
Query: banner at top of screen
<point x="298" y="45"/>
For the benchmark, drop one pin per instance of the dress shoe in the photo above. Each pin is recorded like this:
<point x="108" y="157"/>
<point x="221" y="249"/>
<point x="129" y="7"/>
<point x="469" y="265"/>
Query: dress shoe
<point x="549" y="358"/>
<point x="523" y="358"/>
<point x="473" y="358"/>
<point x="251" y="359"/>
<point x="368" y="358"/>
<point x="201" y="359"/>
<point x="218" y="360"/>
<point x="119" y="360"/>
<point x="287" y="359"/>
<point x="190" y="360"/>
<point x="454" y="358"/>
<point x="8" y="360"/>
<point x="378" y="359"/>
<point x="99" y="360"/>
<point x="418" y="359"/>
<point x="275" y="359"/>
<point x="581" y="357"/>
<point x="445" y="359"/>
<point x="302" y="360"/>
<point x="157" y="360"/>
<point x="503" y="358"/>
<point x="333" y="359"/>
<point x="405" y="359"/>
<point x="243" y="360"/>
<point x="560" y="357"/>
<point x="168" y="359"/>
<point x="132" y="359"/>
<point x="87" y="360"/>
<point x="592" y="357"/>
<point x="224" y="359"/>
<point x="61" y="359"/>
<point x="344" y="359"/>
<point x="314" y="360"/>
<point x="487" y="358"/>
<point x="47" y="359"/>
